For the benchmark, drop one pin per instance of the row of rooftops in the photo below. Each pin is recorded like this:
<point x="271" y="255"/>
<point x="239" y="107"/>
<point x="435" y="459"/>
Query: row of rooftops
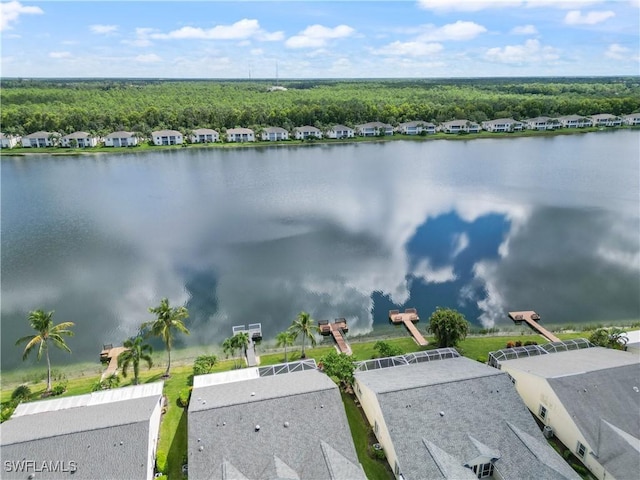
<point x="417" y="126"/>
<point x="444" y="415"/>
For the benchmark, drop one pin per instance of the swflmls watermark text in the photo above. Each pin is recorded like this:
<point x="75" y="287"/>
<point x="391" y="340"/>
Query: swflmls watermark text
<point x="36" y="466"/>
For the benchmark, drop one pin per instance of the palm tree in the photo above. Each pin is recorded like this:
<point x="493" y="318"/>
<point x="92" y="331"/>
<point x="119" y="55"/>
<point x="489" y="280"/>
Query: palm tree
<point x="284" y="339"/>
<point x="303" y="325"/>
<point x="241" y="340"/>
<point x="167" y="320"/>
<point x="42" y="322"/>
<point x="135" y="352"/>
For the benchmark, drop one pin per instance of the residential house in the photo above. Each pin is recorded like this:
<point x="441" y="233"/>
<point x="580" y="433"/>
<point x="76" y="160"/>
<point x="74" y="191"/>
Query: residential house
<point x="240" y="135"/>
<point x="105" y="434"/>
<point x="284" y="421"/>
<point x="588" y="397"/>
<point x="121" y="139"/>
<point x="574" y="121"/>
<point x="416" y="128"/>
<point x="542" y="123"/>
<point x="274" y="134"/>
<point x="307" y="131"/>
<point x="9" y="141"/>
<point x="460" y="126"/>
<point x="373" y="129"/>
<point x="79" y="139"/>
<point x="40" y="140"/>
<point x="204" y="135"/>
<point x="502" y="125"/>
<point x="606" y="120"/>
<point x="439" y="415"/>
<point x="166" y="137"/>
<point x="631" y="119"/>
<point x="340" y="131"/>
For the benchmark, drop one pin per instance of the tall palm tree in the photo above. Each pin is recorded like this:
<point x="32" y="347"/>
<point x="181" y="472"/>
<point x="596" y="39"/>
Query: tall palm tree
<point x="42" y="322"/>
<point x="136" y="352"/>
<point x="241" y="340"/>
<point x="303" y="326"/>
<point x="167" y="320"/>
<point x="284" y="339"/>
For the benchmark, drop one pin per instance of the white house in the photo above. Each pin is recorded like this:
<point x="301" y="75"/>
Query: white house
<point x="542" y="123"/>
<point x="82" y="140"/>
<point x="606" y="120"/>
<point x="502" y="125"/>
<point x="40" y="139"/>
<point x="588" y="397"/>
<point x="121" y="139"/>
<point x="204" y="135"/>
<point x="340" y="131"/>
<point x="240" y="135"/>
<point x="438" y="415"/>
<point x="416" y="128"/>
<point x="459" y="126"/>
<point x="283" y="421"/>
<point x="631" y="119"/>
<point x="575" y="121"/>
<point x="373" y="129"/>
<point x="106" y="434"/>
<point x="307" y="131"/>
<point x="9" y="141"/>
<point x="166" y="137"/>
<point x="274" y="134"/>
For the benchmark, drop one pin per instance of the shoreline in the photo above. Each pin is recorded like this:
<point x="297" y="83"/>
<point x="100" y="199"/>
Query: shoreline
<point x="145" y="148"/>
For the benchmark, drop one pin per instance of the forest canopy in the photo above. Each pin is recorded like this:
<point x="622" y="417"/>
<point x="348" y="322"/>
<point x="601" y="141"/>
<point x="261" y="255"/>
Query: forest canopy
<point x="101" y="106"/>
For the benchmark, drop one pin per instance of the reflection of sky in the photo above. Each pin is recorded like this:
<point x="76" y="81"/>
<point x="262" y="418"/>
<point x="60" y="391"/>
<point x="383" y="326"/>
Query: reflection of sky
<point x="256" y="235"/>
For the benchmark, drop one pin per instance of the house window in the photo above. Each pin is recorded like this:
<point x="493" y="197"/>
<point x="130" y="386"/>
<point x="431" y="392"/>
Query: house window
<point x="484" y="470"/>
<point x="542" y="412"/>
<point x="581" y="450"/>
<point x="375" y="426"/>
<point x="396" y="469"/>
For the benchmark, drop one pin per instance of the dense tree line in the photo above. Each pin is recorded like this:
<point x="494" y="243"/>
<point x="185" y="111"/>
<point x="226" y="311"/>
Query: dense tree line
<point x="101" y="106"/>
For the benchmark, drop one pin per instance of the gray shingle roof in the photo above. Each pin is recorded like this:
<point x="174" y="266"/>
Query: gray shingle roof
<point x="166" y="133"/>
<point x="120" y="134"/>
<point x="39" y="135"/>
<point x="204" y="131"/>
<point x="274" y="130"/>
<point x="466" y="411"/>
<point x="303" y="430"/>
<point x="105" y="440"/>
<point x="77" y="135"/>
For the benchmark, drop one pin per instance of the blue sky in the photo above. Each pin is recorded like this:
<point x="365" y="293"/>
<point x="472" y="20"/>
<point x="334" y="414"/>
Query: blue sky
<point x="331" y="39"/>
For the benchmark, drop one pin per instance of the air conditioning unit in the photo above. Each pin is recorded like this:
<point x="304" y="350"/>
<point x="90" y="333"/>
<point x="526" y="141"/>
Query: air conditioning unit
<point x="547" y="431"/>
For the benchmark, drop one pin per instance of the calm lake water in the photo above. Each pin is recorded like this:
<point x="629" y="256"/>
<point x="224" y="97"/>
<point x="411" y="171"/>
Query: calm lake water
<point x="259" y="234"/>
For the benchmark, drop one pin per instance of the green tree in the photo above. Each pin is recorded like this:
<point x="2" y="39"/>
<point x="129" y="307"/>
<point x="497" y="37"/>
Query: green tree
<point x="340" y="366"/>
<point x="448" y="327"/>
<point x="112" y="381"/>
<point x="135" y="353"/>
<point x="229" y="347"/>
<point x="385" y="349"/>
<point x="303" y="326"/>
<point x="42" y="322"/>
<point x="168" y="319"/>
<point x="241" y="341"/>
<point x="204" y="364"/>
<point x="609" y="338"/>
<point x="21" y="393"/>
<point x="284" y="339"/>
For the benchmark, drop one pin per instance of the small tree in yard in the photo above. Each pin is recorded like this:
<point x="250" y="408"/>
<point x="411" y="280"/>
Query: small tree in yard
<point x="385" y="349"/>
<point x="340" y="366"/>
<point x="609" y="338"/>
<point x="204" y="364"/>
<point x="448" y="326"/>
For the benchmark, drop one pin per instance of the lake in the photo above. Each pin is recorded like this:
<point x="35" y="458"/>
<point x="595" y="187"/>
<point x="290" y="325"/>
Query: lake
<point x="250" y="235"/>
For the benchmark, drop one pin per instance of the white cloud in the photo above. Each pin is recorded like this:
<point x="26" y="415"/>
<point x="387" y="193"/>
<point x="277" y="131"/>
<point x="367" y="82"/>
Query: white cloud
<point x="410" y="49"/>
<point x="530" y="51"/>
<point x="617" y="52"/>
<point x="524" y="30"/>
<point x="460" y="243"/>
<point x="241" y="30"/>
<point x="142" y="38"/>
<point x="148" y="58"/>
<point x="459" y="30"/>
<point x="256" y="51"/>
<point x="425" y="270"/>
<point x="634" y="3"/>
<point x="59" y="54"/>
<point x="11" y="11"/>
<point x="477" y="5"/>
<point x="315" y="36"/>
<point x="103" y="29"/>
<point x="575" y="17"/>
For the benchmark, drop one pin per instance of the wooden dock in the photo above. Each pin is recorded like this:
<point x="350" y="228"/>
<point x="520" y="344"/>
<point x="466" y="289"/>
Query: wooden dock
<point x="254" y="330"/>
<point x="408" y="318"/>
<point x="531" y="318"/>
<point x="110" y="354"/>
<point x="336" y="330"/>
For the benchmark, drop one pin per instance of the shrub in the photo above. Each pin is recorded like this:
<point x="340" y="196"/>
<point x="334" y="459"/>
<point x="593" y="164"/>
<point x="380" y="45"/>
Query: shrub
<point x="204" y="364"/>
<point x="518" y="343"/>
<point x="377" y="453"/>
<point x="6" y="410"/>
<point x="385" y="349"/>
<point x="510" y="344"/>
<point x="21" y="393"/>
<point x="59" y="388"/>
<point x="184" y="396"/>
<point x="530" y="342"/>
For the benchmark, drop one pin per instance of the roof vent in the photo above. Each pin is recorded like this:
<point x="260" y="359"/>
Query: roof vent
<point x="257" y="428"/>
<point x="286" y="424"/>
<point x="442" y="414"/>
<point x="224" y="424"/>
<point x="201" y="447"/>
<point x="636" y="389"/>
<point x="253" y="394"/>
